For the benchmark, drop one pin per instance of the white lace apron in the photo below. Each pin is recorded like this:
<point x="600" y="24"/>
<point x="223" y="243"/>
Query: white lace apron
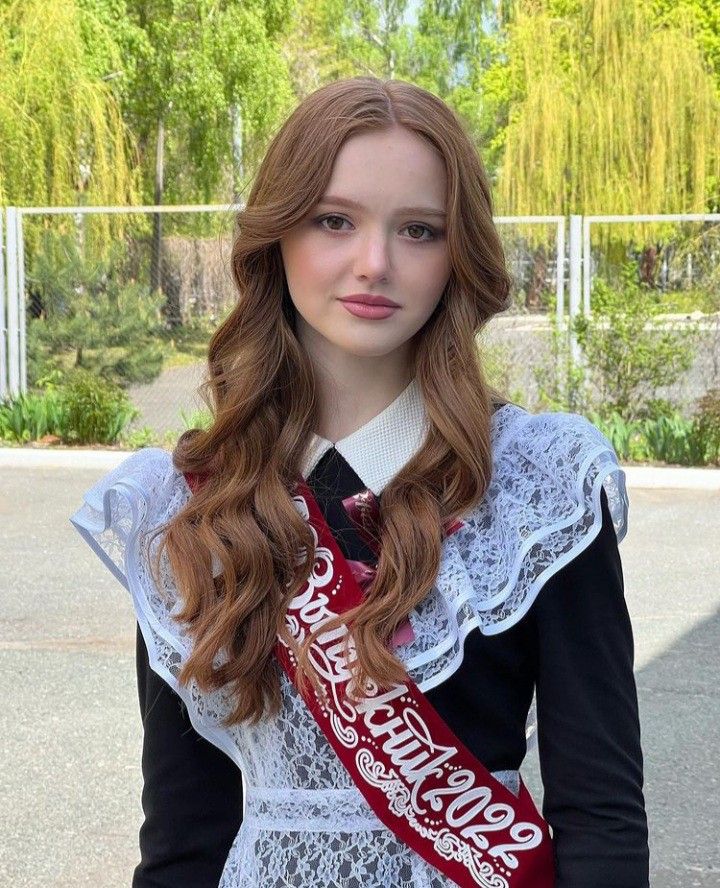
<point x="304" y="821"/>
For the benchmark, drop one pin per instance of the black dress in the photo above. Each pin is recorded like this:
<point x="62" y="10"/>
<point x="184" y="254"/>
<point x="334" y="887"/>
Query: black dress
<point x="574" y="646"/>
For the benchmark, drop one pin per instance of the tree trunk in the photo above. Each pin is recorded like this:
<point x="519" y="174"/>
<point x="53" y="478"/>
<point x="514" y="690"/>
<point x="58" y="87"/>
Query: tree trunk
<point x="171" y="309"/>
<point x="155" y="259"/>
<point x="648" y="260"/>
<point x="537" y="281"/>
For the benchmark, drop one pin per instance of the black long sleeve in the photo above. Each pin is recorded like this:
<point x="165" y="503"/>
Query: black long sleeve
<point x="192" y="792"/>
<point x="588" y="728"/>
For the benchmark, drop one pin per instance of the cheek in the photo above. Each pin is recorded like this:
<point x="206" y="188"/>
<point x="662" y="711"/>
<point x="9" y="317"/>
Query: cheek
<point x="306" y="263"/>
<point x="429" y="281"/>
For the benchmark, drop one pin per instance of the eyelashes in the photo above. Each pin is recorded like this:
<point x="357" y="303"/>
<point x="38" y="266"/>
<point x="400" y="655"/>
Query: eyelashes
<point x="434" y="234"/>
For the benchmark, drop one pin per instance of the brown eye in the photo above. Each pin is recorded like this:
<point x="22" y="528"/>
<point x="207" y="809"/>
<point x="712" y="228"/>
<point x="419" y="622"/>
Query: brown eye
<point x="425" y="227"/>
<point x="332" y="216"/>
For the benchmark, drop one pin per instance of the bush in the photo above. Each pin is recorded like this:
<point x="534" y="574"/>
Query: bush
<point x="30" y="415"/>
<point x="90" y="315"/>
<point x="201" y="419"/>
<point x="96" y="410"/>
<point x="707" y="424"/>
<point x="667" y="436"/>
<point x="627" y="359"/>
<point x="80" y="409"/>
<point x="624" y="357"/>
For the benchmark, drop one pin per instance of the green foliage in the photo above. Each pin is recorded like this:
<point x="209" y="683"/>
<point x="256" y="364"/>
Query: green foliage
<point x="96" y="410"/>
<point x="707" y="423"/>
<point x="196" y="60"/>
<point x="625" y="358"/>
<point x="700" y="16"/>
<point x="442" y="47"/>
<point x="134" y="439"/>
<point x="29" y="416"/>
<point x="90" y="317"/>
<point x="668" y="437"/>
<point x="602" y="107"/>
<point x="61" y="127"/>
<point x="79" y="408"/>
<point x="625" y="354"/>
<point x="201" y="419"/>
<point x="84" y="84"/>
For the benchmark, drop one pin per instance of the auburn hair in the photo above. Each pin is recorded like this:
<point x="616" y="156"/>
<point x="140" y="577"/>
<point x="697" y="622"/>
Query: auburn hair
<point x="260" y="388"/>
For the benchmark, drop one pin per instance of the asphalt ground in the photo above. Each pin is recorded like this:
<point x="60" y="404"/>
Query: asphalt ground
<point x="521" y="344"/>
<point x="70" y="727"/>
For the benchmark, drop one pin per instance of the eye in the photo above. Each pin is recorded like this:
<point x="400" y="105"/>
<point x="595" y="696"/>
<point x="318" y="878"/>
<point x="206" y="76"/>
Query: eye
<point x="331" y="216"/>
<point x="432" y="234"/>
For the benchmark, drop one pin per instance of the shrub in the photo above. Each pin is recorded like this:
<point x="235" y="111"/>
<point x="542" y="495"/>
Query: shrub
<point x="29" y="415"/>
<point x="96" y="410"/>
<point x="666" y="436"/>
<point x="707" y="423"/>
<point x="196" y="419"/>
<point x="91" y="315"/>
<point x="624" y="356"/>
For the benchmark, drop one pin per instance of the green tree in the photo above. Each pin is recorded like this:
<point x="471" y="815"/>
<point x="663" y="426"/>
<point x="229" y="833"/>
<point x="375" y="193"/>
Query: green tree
<point x="199" y="60"/>
<point x="207" y="87"/>
<point x="627" y="354"/>
<point x="703" y="16"/>
<point x="91" y="317"/>
<point x="594" y="106"/>
<point x="608" y="110"/>
<point x="63" y="137"/>
<point x="443" y="51"/>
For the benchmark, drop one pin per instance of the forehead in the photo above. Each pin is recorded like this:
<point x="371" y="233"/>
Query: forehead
<point x="389" y="167"/>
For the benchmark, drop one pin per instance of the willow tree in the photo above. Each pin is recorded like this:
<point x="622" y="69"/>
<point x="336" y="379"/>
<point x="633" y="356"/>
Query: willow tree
<point x="607" y="112"/>
<point x="61" y="129"/>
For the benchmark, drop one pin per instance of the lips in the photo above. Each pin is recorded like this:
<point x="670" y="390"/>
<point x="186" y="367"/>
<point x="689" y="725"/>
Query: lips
<point x="368" y="299"/>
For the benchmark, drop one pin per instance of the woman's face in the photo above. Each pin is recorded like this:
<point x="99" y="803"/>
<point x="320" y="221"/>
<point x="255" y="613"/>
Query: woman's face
<point x="377" y="247"/>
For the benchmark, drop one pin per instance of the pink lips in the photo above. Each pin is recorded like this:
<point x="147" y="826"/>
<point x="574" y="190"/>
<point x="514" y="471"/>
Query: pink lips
<point x="364" y="305"/>
<point x="363" y="310"/>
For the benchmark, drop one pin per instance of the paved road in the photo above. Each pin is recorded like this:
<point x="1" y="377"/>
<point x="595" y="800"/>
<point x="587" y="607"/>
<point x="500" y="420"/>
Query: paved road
<point x="70" y="787"/>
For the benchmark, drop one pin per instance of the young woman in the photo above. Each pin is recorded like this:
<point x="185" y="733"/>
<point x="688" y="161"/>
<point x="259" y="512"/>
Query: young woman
<point x="350" y="586"/>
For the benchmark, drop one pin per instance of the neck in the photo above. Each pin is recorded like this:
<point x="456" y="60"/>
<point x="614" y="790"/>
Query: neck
<point x="346" y="405"/>
<point x="351" y="389"/>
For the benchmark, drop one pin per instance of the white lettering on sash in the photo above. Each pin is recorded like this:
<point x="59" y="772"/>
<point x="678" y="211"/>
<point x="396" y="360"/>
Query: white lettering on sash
<point x="404" y="735"/>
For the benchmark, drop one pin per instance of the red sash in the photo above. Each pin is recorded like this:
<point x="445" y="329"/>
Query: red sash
<point x="416" y="775"/>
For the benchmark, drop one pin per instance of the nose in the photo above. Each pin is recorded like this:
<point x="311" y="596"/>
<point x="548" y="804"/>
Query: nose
<point x="372" y="259"/>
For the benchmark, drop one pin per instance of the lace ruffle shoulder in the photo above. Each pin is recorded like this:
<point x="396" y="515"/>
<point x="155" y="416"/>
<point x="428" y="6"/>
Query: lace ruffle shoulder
<point x="541" y="509"/>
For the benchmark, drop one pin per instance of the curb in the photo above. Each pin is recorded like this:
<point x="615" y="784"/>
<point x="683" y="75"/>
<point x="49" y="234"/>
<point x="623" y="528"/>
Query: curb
<point x="637" y="477"/>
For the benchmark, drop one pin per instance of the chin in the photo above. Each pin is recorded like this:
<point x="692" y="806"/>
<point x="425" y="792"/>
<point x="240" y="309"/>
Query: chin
<point x="368" y="349"/>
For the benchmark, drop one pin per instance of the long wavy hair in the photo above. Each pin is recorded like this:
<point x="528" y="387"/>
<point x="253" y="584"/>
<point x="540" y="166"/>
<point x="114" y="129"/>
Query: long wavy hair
<point x="260" y="387"/>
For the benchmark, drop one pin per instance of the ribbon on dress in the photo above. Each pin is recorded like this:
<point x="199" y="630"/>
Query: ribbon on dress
<point x="364" y="511"/>
<point x="421" y="781"/>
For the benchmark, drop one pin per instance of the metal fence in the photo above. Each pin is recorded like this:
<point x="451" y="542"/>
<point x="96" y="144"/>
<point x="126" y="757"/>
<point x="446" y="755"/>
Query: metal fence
<point x="74" y="281"/>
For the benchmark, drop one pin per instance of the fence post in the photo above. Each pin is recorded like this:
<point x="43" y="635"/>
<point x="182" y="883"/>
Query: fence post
<point x="3" y="315"/>
<point x="13" y="336"/>
<point x="560" y="274"/>
<point x="576" y="274"/>
<point x="587" y="267"/>
<point x="22" y="308"/>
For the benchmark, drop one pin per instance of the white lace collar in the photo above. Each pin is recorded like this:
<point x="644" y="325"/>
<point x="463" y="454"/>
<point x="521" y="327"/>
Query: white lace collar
<point x="382" y="446"/>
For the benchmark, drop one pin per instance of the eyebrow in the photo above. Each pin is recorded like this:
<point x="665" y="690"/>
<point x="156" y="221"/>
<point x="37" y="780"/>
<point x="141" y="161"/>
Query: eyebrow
<point x="347" y="202"/>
